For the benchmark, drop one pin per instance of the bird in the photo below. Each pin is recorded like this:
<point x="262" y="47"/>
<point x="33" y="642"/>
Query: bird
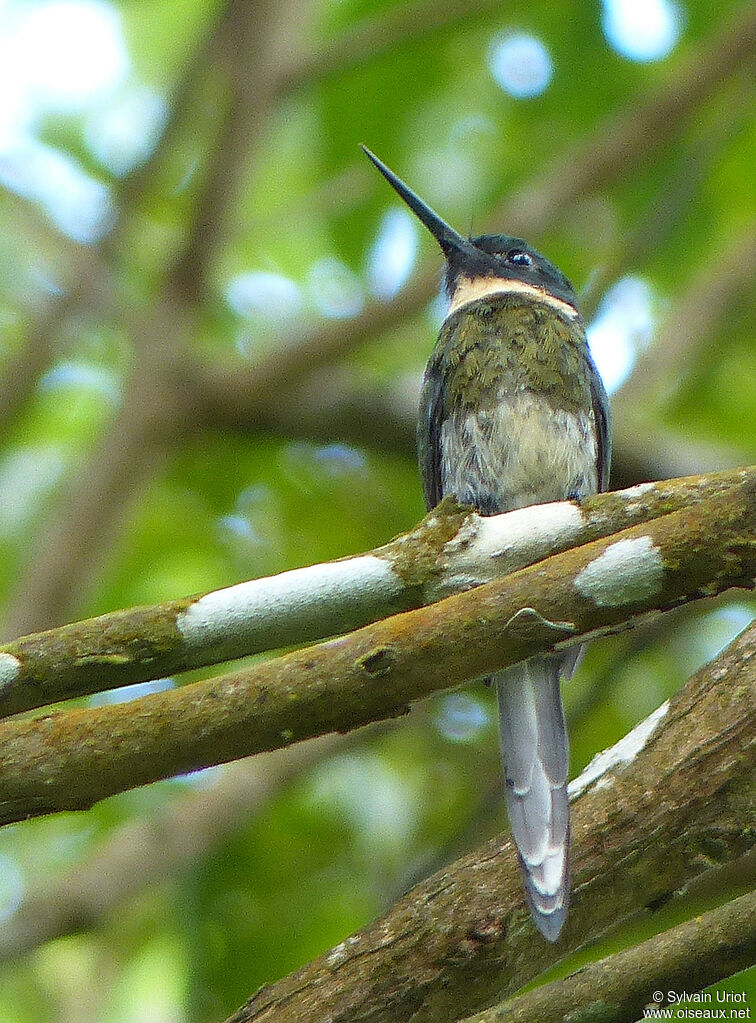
<point x="513" y="413"/>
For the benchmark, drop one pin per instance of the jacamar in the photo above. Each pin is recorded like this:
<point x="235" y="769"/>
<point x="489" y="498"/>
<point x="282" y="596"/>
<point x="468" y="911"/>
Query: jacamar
<point x="513" y="413"/>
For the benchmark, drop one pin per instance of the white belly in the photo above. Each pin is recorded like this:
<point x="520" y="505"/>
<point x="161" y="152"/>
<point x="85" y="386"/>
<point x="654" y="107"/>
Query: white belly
<point x="521" y="452"/>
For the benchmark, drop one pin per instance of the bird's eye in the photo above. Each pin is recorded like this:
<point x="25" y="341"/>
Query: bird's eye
<point x="519" y="258"/>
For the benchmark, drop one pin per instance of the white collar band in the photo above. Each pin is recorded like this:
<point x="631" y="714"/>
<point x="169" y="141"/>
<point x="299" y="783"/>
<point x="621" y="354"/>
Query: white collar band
<point x="468" y="290"/>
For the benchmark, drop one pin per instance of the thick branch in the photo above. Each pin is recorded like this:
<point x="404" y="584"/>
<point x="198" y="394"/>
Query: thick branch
<point x="444" y="554"/>
<point x="71" y="760"/>
<point x="672" y="799"/>
<point x="686" y="958"/>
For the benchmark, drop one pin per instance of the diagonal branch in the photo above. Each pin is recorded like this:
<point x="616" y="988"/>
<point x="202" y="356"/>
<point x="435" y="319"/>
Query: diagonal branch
<point x="157" y="406"/>
<point x="705" y="304"/>
<point x="617" y="989"/>
<point x="367" y="40"/>
<point x="91" y="510"/>
<point x="70" y="760"/>
<point x="149" y="849"/>
<point x="334" y="404"/>
<point x="87" y="282"/>
<point x="377" y="35"/>
<point x="647" y="124"/>
<point x="257" y="38"/>
<point x="671" y="799"/>
<point x="448" y="551"/>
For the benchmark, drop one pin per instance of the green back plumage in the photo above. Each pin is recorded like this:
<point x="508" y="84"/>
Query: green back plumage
<point x="512" y="345"/>
<point x="500" y="346"/>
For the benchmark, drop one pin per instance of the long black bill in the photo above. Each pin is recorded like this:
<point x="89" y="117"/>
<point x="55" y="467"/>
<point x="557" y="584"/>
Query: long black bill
<point x="446" y="236"/>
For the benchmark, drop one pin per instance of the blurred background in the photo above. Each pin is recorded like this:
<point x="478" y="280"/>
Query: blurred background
<point x="214" y="315"/>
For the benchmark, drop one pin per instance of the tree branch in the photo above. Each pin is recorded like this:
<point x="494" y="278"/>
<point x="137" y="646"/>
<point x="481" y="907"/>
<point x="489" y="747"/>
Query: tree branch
<point x="87" y="283"/>
<point x="611" y="153"/>
<point x="157" y="846"/>
<point x="702" y="308"/>
<point x="70" y="760"/>
<point x="84" y="525"/>
<point x="447" y="552"/>
<point x="375" y="36"/>
<point x="672" y="799"/>
<point x="334" y="404"/>
<point x="648" y="123"/>
<point x="616" y="989"/>
<point x="258" y="37"/>
<point x="367" y="40"/>
<point x="157" y="406"/>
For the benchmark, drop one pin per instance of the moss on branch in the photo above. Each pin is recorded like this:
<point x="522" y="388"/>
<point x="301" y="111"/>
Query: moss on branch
<point x="69" y="760"/>
<point x="143" y="643"/>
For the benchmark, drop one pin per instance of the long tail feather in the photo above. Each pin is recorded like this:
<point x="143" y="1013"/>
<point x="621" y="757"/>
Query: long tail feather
<point x="535" y="756"/>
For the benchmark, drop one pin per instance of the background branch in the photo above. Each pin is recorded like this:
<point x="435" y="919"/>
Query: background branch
<point x="75" y="543"/>
<point x="375" y="36"/>
<point x="154" y="848"/>
<point x="156" y="406"/>
<point x="87" y="285"/>
<point x="172" y="401"/>
<point x="335" y="405"/>
<point x="695" y="321"/>
<point x="616" y="147"/>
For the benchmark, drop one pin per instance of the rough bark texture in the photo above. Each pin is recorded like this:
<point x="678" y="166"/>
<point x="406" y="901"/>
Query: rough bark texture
<point x="464" y="937"/>
<point x="684" y="959"/>
<point x="143" y="643"/>
<point x="70" y="760"/>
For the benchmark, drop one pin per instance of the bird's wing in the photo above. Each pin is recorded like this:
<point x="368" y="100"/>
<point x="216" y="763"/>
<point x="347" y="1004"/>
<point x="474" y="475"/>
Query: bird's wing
<point x="602" y="418"/>
<point x="429" y="423"/>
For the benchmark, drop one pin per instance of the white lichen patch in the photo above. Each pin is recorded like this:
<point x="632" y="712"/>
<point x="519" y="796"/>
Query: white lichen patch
<point x="488" y="546"/>
<point x="284" y="608"/>
<point x="597" y="773"/>
<point x="626" y="572"/>
<point x="10" y="669"/>
<point x="637" y="491"/>
<point x="337" y="954"/>
<point x="556" y="523"/>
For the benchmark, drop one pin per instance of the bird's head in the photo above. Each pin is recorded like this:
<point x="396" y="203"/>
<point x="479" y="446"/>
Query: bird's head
<point x="486" y="265"/>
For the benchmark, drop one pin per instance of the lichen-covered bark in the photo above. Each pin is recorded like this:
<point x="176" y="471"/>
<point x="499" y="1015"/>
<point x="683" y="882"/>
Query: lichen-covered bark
<point x="115" y="649"/>
<point x="69" y="760"/>
<point x="441" y="555"/>
<point x="464" y="938"/>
